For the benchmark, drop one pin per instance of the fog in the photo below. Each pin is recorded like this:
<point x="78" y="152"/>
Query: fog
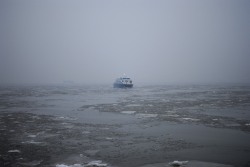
<point x="152" y="41"/>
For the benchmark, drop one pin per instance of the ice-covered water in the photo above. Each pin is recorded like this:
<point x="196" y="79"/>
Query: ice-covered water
<point x="228" y="100"/>
<point x="132" y="127"/>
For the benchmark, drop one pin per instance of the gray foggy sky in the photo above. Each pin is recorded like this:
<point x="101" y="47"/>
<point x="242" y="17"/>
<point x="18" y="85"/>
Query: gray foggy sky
<point x="183" y="41"/>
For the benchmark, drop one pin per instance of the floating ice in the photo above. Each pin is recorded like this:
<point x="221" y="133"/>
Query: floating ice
<point x="109" y="138"/>
<point x="34" y="142"/>
<point x="85" y="132"/>
<point x="65" y="123"/>
<point x="170" y="112"/>
<point x="29" y="121"/>
<point x="32" y="163"/>
<point x="66" y="118"/>
<point x="14" y="151"/>
<point x="97" y="163"/>
<point x="32" y="136"/>
<point x="171" y="115"/>
<point x="247" y="124"/>
<point x="133" y="105"/>
<point x="35" y="117"/>
<point x="205" y="164"/>
<point x="75" y="165"/>
<point x="146" y="115"/>
<point x="178" y="163"/>
<point x="190" y="119"/>
<point x="128" y="112"/>
<point x="61" y="165"/>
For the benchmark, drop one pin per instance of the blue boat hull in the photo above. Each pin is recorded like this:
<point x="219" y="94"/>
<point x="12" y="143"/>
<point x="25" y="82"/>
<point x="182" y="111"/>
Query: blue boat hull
<point x="118" y="85"/>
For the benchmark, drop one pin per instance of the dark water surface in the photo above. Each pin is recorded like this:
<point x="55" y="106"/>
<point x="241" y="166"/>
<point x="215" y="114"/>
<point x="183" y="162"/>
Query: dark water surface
<point x="125" y="127"/>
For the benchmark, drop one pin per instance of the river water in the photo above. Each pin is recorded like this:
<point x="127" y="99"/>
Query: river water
<point x="148" y="124"/>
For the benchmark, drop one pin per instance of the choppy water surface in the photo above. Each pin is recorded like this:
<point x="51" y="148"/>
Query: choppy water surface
<point x="131" y="127"/>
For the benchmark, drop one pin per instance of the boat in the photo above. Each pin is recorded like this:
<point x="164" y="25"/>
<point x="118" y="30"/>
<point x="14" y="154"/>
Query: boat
<point x="123" y="82"/>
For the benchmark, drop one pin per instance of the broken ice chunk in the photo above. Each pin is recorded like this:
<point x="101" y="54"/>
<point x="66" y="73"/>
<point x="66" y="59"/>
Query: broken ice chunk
<point x="146" y="115"/>
<point x="178" y="163"/>
<point x="14" y="151"/>
<point x="97" y="163"/>
<point x="128" y="112"/>
<point x="75" y="165"/>
<point x="190" y="119"/>
<point x="32" y="136"/>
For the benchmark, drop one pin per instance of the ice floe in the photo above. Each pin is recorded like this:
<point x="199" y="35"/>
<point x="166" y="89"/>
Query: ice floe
<point x="170" y="112"/>
<point x="14" y="151"/>
<point x="29" y="121"/>
<point x="133" y="105"/>
<point x="205" y="164"/>
<point x="96" y="163"/>
<point x="66" y="118"/>
<point x="178" y="163"/>
<point x="85" y="132"/>
<point x="190" y="119"/>
<point x="75" y="165"/>
<point x="170" y="115"/>
<point x="191" y="163"/>
<point x="128" y="112"/>
<point x="146" y="115"/>
<point x="32" y="163"/>
<point x="34" y="142"/>
<point x="35" y="117"/>
<point x="32" y="136"/>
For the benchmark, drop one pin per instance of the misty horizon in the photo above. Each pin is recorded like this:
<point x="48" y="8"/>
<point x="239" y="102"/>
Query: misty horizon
<point x="151" y="41"/>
